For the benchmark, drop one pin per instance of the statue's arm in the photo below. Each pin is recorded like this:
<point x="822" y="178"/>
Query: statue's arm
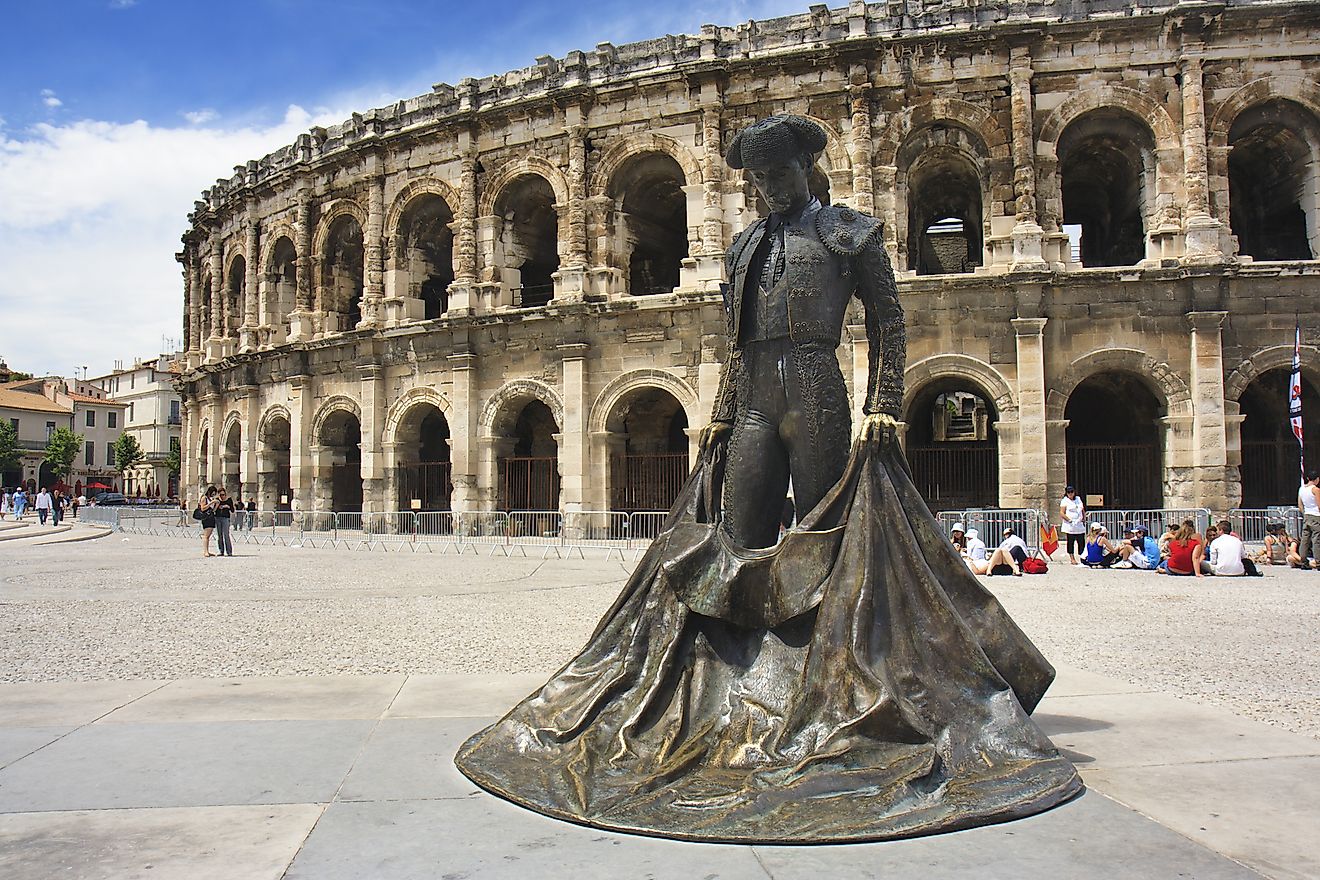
<point x="885" y="332"/>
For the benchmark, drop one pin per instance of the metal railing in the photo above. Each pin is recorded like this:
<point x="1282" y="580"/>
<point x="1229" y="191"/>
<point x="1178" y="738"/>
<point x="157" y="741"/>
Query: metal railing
<point x="1026" y="523"/>
<point x="1250" y="522"/>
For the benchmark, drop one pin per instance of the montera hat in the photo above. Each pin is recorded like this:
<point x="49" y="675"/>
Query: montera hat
<point x="773" y="140"/>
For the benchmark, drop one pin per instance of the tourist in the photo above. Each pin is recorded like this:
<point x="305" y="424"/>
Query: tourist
<point x="5" y="501"/>
<point x="1308" y="502"/>
<point x="74" y="503"/>
<point x="1227" y="553"/>
<point x="251" y="512"/>
<point x="207" y="509"/>
<point x="958" y="535"/>
<point x="1145" y="550"/>
<point x="20" y="502"/>
<point x="1185" y="551"/>
<point x="240" y="512"/>
<point x="57" y="507"/>
<point x="974" y="554"/>
<point x="43" y="505"/>
<point x="224" y="512"/>
<point x="1073" y="514"/>
<point x="1099" y="551"/>
<point x="1280" y="547"/>
<point x="1009" y="555"/>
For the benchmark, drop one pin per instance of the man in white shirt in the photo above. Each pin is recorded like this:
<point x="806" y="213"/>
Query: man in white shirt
<point x="1072" y="514"/>
<point x="1308" y="502"/>
<point x="1009" y="555"/>
<point x="43" y="505"/>
<point x="1227" y="553"/>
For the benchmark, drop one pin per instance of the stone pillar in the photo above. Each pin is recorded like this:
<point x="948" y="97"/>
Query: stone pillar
<point x="251" y="417"/>
<point x="1209" y="429"/>
<point x="574" y="467"/>
<point x="215" y="471"/>
<point x="463" y="296"/>
<point x="1028" y="237"/>
<point x="859" y="140"/>
<point x="1034" y="475"/>
<point x="1201" y="231"/>
<point x="302" y="323"/>
<point x="372" y="403"/>
<point x="861" y="373"/>
<point x="571" y="283"/>
<point x="247" y="337"/>
<point x="301" y="413"/>
<point x="198" y="332"/>
<point x="215" y="342"/>
<point x="463" y="450"/>
<point x="703" y="270"/>
<point x="373" y="239"/>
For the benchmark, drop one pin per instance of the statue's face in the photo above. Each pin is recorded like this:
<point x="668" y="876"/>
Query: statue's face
<point x="783" y="186"/>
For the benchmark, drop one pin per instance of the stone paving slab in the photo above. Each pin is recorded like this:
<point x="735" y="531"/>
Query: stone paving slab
<point x="412" y="759"/>
<point x="459" y="696"/>
<point x="276" y="698"/>
<point x="30" y="704"/>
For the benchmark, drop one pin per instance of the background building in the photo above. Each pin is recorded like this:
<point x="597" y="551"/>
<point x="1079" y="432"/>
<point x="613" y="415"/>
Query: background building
<point x="504" y="294"/>
<point x="89" y="413"/>
<point x="153" y="415"/>
<point x="34" y="417"/>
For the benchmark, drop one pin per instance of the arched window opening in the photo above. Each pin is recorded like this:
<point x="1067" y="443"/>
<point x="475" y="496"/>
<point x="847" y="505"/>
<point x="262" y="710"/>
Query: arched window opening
<point x="204" y="459"/>
<point x="1114" y="440"/>
<point x="1106" y="170"/>
<point x="423" y="473"/>
<point x="649" y="446"/>
<point x="425" y="246"/>
<point x="1271" y="470"/>
<point x="281" y="285"/>
<point x="231" y="460"/>
<point x="529" y="474"/>
<point x="235" y="292"/>
<point x="944" y="213"/>
<point x="530" y="239"/>
<point x="649" y="192"/>
<point x="952" y="447"/>
<point x="342" y="283"/>
<point x="206" y="306"/>
<point x="341" y="447"/>
<point x="1273" y="182"/>
<point x="274" y="489"/>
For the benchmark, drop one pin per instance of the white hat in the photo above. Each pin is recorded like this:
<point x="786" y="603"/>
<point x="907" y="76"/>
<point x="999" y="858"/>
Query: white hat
<point x="1097" y="526"/>
<point x="973" y="534"/>
<point x="959" y="527"/>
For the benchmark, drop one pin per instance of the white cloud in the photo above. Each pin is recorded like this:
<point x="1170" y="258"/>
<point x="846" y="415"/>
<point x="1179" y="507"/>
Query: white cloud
<point x="201" y="117"/>
<point x="48" y="98"/>
<point x="90" y="218"/>
<point x="122" y="4"/>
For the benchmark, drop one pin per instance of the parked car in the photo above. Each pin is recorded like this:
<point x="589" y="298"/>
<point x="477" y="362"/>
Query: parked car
<point x="106" y="498"/>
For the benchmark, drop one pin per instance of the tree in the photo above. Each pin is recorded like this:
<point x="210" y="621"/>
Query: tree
<point x="128" y="455"/>
<point x="174" y="458"/>
<point x="61" y="449"/>
<point x="10" y="456"/>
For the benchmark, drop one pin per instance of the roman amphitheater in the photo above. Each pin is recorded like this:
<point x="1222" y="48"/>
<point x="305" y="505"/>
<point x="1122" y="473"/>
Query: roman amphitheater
<point x="504" y="295"/>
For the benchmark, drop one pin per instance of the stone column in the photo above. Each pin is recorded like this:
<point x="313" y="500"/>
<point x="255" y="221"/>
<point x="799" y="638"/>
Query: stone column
<point x="463" y="295"/>
<point x="703" y="270"/>
<point x="1209" y="429"/>
<point x="301" y="413"/>
<point x="574" y="467"/>
<point x="859" y="140"/>
<point x="302" y="324"/>
<point x="251" y="416"/>
<point x="215" y="339"/>
<point x="1202" y="231"/>
<point x="463" y="450"/>
<point x="571" y="278"/>
<point x="247" y="337"/>
<point x="1034" y="476"/>
<point x="372" y="403"/>
<point x="1028" y="237"/>
<point x="197" y="331"/>
<point x="373" y="270"/>
<point x="215" y="469"/>
<point x="861" y="372"/>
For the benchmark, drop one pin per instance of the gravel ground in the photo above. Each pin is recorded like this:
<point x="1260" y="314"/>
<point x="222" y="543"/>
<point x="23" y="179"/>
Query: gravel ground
<point x="137" y="607"/>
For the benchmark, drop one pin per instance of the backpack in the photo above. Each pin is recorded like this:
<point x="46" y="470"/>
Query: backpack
<point x="197" y="512"/>
<point x="1035" y="565"/>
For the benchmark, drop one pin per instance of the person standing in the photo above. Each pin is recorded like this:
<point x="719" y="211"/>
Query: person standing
<point x="251" y="512"/>
<point x="5" y="501"/>
<point x="240" y="513"/>
<point x="1072" y="512"/>
<point x="206" y="507"/>
<point x="1308" y="502"/>
<point x="43" y="505"/>
<point x="224" y="512"/>
<point x="20" y="503"/>
<point x="57" y="507"/>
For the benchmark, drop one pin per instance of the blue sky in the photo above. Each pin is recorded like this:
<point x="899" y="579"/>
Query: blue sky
<point x="115" y="114"/>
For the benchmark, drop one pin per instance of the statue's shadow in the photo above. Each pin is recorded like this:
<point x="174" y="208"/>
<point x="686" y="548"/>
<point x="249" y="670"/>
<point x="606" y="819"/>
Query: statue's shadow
<point x="1061" y="725"/>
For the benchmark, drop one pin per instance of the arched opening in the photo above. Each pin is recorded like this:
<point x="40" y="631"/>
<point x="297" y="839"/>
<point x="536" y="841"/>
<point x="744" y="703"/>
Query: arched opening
<point x="529" y="471"/>
<point x="423" y="472"/>
<point x="206" y="306"/>
<point x="204" y="459"/>
<point x="342" y="278"/>
<point x="648" y="191"/>
<point x="649" y="450"/>
<point x="1271" y="470"/>
<point x="944" y="213"/>
<point x="231" y="460"/>
<point x="1107" y="177"/>
<point x="1114" y="440"/>
<point x="281" y="286"/>
<point x="274" y="486"/>
<point x="424" y="255"/>
<point x="952" y="448"/>
<point x="530" y="239"/>
<point x="235" y="293"/>
<point x="340" y="439"/>
<point x="1273" y="184"/>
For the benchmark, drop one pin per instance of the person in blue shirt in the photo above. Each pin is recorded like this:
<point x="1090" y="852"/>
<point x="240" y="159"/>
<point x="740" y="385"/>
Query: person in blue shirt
<point x="1146" y="555"/>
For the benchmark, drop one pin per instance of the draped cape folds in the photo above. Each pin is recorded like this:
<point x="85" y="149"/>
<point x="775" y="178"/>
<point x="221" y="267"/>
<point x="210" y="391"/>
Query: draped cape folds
<point x="855" y="682"/>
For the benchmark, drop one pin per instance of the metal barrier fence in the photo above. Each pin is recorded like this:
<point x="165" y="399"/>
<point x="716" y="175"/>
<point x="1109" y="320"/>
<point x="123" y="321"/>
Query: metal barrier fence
<point x="1026" y="523"/>
<point x="990" y="524"/>
<point x="1250" y="522"/>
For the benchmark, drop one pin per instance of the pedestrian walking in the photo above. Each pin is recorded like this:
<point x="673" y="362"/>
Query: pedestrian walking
<point x="57" y="507"/>
<point x="240" y="512"/>
<point x="1072" y="513"/>
<point x="251" y="512"/>
<point x="74" y="503"/>
<point x="1308" y="502"/>
<point x="224" y="514"/>
<point x="6" y="500"/>
<point x="43" y="505"/>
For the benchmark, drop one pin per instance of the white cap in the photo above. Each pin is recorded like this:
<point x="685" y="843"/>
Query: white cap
<point x="1095" y="526"/>
<point x="973" y="533"/>
<point x="959" y="527"/>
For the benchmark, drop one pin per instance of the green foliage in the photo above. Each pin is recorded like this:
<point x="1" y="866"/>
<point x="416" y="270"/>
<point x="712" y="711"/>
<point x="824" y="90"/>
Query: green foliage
<point x="10" y="456"/>
<point x="62" y="448"/>
<point x="174" y="459"/>
<point x="128" y="453"/>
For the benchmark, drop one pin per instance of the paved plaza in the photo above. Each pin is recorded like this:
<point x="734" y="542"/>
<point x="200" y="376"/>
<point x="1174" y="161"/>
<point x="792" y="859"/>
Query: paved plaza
<point x="293" y="712"/>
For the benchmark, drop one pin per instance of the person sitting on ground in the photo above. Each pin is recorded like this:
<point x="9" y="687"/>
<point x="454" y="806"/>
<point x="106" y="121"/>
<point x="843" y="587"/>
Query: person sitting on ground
<point x="1099" y="552"/>
<point x="975" y="553"/>
<point x="1227" y="552"/>
<point x="1280" y="547"/>
<point x="1145" y="549"/>
<point x="958" y="535"/>
<point x="1009" y="555"/>
<point x="1185" y="551"/>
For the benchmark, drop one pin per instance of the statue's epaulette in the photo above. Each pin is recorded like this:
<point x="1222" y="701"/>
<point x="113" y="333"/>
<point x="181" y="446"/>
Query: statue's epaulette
<point x="846" y="232"/>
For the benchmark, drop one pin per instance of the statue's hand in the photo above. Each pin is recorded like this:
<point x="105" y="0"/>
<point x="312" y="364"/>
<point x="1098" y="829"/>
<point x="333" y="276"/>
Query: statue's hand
<point x="713" y="434"/>
<point x="880" y="426"/>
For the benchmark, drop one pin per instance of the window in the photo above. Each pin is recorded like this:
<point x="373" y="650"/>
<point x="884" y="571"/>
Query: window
<point x="174" y="444"/>
<point x="50" y="429"/>
<point x="112" y="419"/>
<point x="89" y="453"/>
<point x="130" y="413"/>
<point x="132" y="380"/>
<point x="174" y="412"/>
<point x="14" y="422"/>
<point x="91" y="418"/>
<point x="110" y="455"/>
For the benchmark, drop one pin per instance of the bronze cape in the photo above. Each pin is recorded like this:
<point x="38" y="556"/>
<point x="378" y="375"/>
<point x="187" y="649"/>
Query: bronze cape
<point x="855" y="682"/>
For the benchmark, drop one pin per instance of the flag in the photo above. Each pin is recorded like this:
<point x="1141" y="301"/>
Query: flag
<point x="1049" y="539"/>
<point x="1295" y="399"/>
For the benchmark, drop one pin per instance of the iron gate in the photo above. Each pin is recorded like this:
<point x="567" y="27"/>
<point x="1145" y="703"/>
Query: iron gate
<point x="956" y="475"/>
<point x="646" y="482"/>
<point x="1127" y="475"/>
<point x="430" y="482"/>
<point x="529" y="483"/>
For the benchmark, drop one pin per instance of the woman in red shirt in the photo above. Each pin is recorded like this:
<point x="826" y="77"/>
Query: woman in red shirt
<point x="1186" y="551"/>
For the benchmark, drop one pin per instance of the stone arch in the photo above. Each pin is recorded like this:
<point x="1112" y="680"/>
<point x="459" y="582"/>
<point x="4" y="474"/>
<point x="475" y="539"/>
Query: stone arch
<point x="960" y="366"/>
<point x="970" y="117"/>
<point x="511" y="171"/>
<point x="1296" y="89"/>
<point x="1264" y="360"/>
<point x="270" y="238"/>
<point x="231" y="419"/>
<point x="1132" y="101"/>
<point x="1159" y="377"/>
<point x="338" y="208"/>
<point x="616" y="156"/>
<point x="636" y="380"/>
<point x="232" y="253"/>
<point x="413" y="397"/>
<point x="420" y="187"/>
<point x="337" y="403"/>
<point x="278" y="411"/>
<point x="502" y="407"/>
